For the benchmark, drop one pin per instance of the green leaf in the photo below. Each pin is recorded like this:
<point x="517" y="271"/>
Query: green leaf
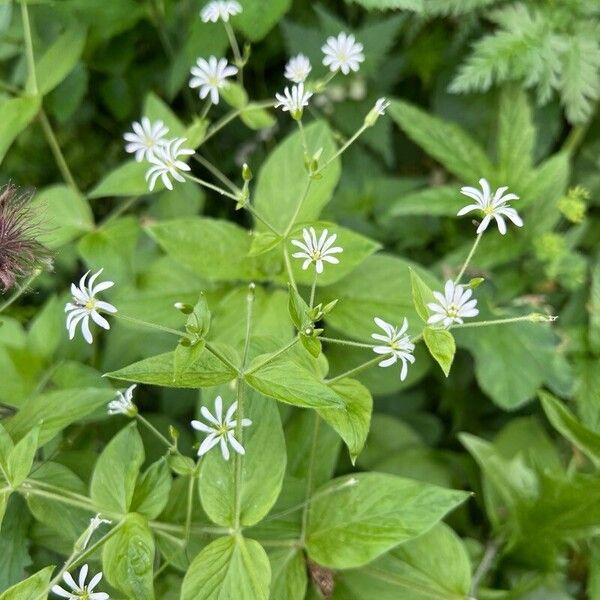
<point x="151" y="492"/>
<point x="289" y="578"/>
<point x="261" y="472"/>
<point x="59" y="59"/>
<point x="186" y="356"/>
<point x="376" y="512"/>
<point x="563" y="420"/>
<point x="14" y="541"/>
<point x="116" y="471"/>
<point x="229" y="567"/>
<point x="21" y="458"/>
<point x="297" y="308"/>
<point x="421" y="295"/>
<point x="31" y="588"/>
<point x="282" y="180"/>
<point x="128" y="558"/>
<point x="259" y="17"/>
<point x="16" y="113"/>
<point x="156" y="109"/>
<point x="127" y="179"/>
<point x="234" y="94"/>
<point x="352" y="421"/>
<point x="442" y="347"/>
<point x="414" y="5"/>
<point x="434" y="565"/>
<point x="448" y="143"/>
<point x="439" y="201"/>
<point x="263" y="242"/>
<point x="288" y="382"/>
<point x="256" y="117"/>
<point x="158" y="370"/>
<point x="593" y="307"/>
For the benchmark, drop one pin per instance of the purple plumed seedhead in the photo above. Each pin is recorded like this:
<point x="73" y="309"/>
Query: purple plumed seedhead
<point x="20" y="252"/>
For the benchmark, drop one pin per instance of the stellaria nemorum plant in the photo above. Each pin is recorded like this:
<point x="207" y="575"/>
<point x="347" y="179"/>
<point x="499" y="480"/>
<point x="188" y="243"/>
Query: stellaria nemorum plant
<point x="20" y="251"/>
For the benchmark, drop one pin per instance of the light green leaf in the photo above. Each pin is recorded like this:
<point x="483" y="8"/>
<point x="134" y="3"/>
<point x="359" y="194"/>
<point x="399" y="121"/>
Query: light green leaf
<point x="16" y="113"/>
<point x="288" y="382"/>
<point x="256" y="117"/>
<point x="116" y="471"/>
<point x="234" y="94"/>
<point x="414" y="5"/>
<point x="262" y="467"/>
<point x="128" y="558"/>
<point x="127" y="179"/>
<point x="352" y="421"/>
<point x="442" y="347"/>
<point x="156" y="109"/>
<point x="259" y="17"/>
<point x="151" y="492"/>
<point x="376" y="512"/>
<point x="229" y="567"/>
<point x="593" y="307"/>
<point x="448" y="143"/>
<point x="31" y="588"/>
<point x="158" y="370"/>
<point x="288" y="574"/>
<point x="563" y="420"/>
<point x="282" y="181"/>
<point x="421" y="295"/>
<point x="439" y="201"/>
<point x="21" y="458"/>
<point x="186" y="356"/>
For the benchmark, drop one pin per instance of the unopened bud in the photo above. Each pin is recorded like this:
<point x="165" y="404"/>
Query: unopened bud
<point x="186" y="309"/>
<point x="377" y="111"/>
<point x="246" y="172"/>
<point x="475" y="282"/>
<point x="540" y="318"/>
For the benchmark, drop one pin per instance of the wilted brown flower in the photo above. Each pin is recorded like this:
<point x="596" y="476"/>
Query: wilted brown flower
<point x="20" y="252"/>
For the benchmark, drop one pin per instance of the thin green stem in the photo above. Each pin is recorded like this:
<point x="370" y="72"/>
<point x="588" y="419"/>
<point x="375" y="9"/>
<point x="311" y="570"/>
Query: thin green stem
<point x="149" y="325"/>
<point x="57" y="490"/>
<point x="206" y="108"/>
<point x="343" y="148"/>
<point x="118" y="211"/>
<point x="260" y="218"/>
<point x="59" y="157"/>
<point x="189" y="508"/>
<point x="236" y="50"/>
<point x="271" y="357"/>
<point x="251" y="295"/>
<point x="211" y="186"/>
<point x="32" y="81"/>
<point x="298" y="207"/>
<point x="28" y="490"/>
<point x="345" y="342"/>
<point x="303" y="136"/>
<point x="313" y="289"/>
<point x="288" y="266"/>
<point x="217" y="173"/>
<point x="309" y="476"/>
<point x="321" y="85"/>
<point x="21" y="289"/>
<point x="469" y="257"/>
<point x="156" y="432"/>
<point x="355" y="370"/>
<point x="221" y="357"/>
<point x="226" y="119"/>
<point x="238" y="458"/>
<point x="494" y="322"/>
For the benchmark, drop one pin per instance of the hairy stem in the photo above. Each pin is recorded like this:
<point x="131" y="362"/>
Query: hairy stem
<point x="211" y="186"/>
<point x="156" y="432"/>
<point x="345" y="147"/>
<point x="345" y="342"/>
<point x="149" y="325"/>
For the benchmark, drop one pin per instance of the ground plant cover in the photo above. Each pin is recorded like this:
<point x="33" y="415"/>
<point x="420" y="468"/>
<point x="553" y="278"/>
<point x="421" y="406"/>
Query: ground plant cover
<point x="299" y="299"/>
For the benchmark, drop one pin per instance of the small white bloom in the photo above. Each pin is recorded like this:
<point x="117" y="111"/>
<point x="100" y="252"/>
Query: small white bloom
<point x="145" y="138"/>
<point x="377" y="111"/>
<point x="95" y="522"/>
<point x="166" y="162"/>
<point x="343" y="53"/>
<point x="123" y="403"/>
<point x="297" y="68"/>
<point x="85" y="305"/>
<point x="79" y="590"/>
<point x="210" y="76"/>
<point x="219" y="429"/>
<point x="317" y="251"/>
<point x="214" y="11"/>
<point x="493" y="207"/>
<point x="453" y="305"/>
<point x="397" y="345"/>
<point x="293" y="101"/>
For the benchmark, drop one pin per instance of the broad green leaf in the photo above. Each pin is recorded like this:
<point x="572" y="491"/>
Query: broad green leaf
<point x="66" y="215"/>
<point x="261" y="467"/>
<point x="4" y="498"/>
<point x="421" y="294"/>
<point x="21" y="457"/>
<point x="116" y="471"/>
<point x="234" y="94"/>
<point x="288" y="382"/>
<point x="448" y="143"/>
<point x="433" y="566"/>
<point x="156" y="109"/>
<point x="283" y="182"/>
<point x="439" y="201"/>
<point x="59" y="59"/>
<point x="259" y="17"/>
<point x="263" y="242"/>
<point x="256" y="117"/>
<point x="14" y="541"/>
<point x="442" y="347"/>
<point x="414" y="5"/>
<point x="288" y="574"/>
<point x="186" y="356"/>
<point x="214" y="249"/>
<point x="128" y="558"/>
<point x="352" y="421"/>
<point x="563" y="420"/>
<point x="32" y="588"/>
<point x="127" y="179"/>
<point x="376" y="512"/>
<point x="158" y="370"/>
<point x="46" y="331"/>
<point x="152" y="489"/>
<point x="16" y="113"/>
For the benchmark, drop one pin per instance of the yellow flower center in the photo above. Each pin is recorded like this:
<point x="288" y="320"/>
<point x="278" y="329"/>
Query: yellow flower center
<point x="452" y="310"/>
<point x="90" y="304"/>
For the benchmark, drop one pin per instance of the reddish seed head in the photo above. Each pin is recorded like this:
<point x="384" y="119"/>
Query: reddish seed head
<point x="20" y="252"/>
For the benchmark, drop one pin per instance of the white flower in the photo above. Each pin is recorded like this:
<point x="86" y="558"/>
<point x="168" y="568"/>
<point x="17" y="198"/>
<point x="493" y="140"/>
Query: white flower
<point x="397" y="345"/>
<point x="166" y="162"/>
<point x="495" y="207"/>
<point x="343" y="53"/>
<point x="79" y="590"/>
<point x="377" y="111"/>
<point x="210" y="76"/>
<point x="293" y="101"/>
<point x="214" y="11"/>
<point x="145" y="138"/>
<point x="86" y="305"/>
<point x="123" y="404"/>
<point x="454" y="305"/>
<point x="219" y="429"/>
<point x="297" y="68"/>
<point x="317" y="251"/>
<point x="95" y="522"/>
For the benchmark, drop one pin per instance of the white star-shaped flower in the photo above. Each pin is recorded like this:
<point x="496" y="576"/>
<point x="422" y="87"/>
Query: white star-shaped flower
<point x="343" y="53"/>
<point x="214" y="11"/>
<point x="219" y="429"/>
<point x="145" y="138"/>
<point x="165" y="163"/>
<point x="79" y="590"/>
<point x="492" y="207"/>
<point x="294" y="101"/>
<point x="85" y="305"/>
<point x="453" y="305"/>
<point x="123" y="403"/>
<point x="317" y="251"/>
<point x="397" y="345"/>
<point x="297" y="68"/>
<point x="210" y="76"/>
